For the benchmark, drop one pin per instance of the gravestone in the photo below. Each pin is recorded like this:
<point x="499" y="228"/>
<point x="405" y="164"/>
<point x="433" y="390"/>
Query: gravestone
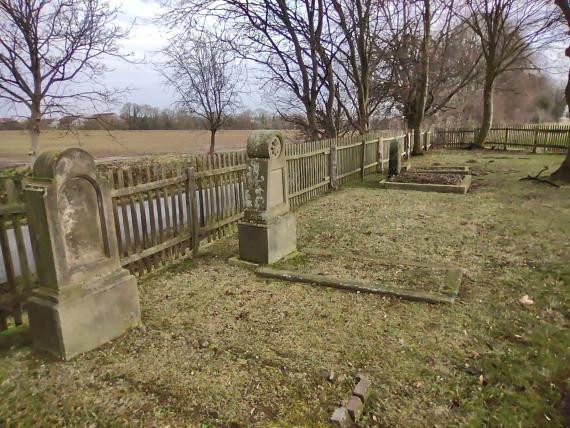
<point x="85" y="298"/>
<point x="267" y="232"/>
<point x="395" y="160"/>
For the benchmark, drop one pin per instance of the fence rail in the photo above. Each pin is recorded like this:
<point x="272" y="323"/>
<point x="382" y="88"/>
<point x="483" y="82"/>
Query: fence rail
<point x="547" y="138"/>
<point x="163" y="211"/>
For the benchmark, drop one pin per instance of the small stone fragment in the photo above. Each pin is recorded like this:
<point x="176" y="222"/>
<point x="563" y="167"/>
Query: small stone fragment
<point x="362" y="389"/>
<point x="328" y="375"/>
<point x="340" y="417"/>
<point x="526" y="301"/>
<point x="354" y="407"/>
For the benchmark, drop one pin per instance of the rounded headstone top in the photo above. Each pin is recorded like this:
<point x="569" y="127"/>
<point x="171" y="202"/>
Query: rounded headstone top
<point x="61" y="163"/>
<point x="265" y="144"/>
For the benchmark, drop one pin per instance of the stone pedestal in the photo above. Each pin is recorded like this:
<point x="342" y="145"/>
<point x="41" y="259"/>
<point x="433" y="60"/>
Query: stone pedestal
<point x="268" y="230"/>
<point x="267" y="244"/>
<point x="85" y="297"/>
<point x="68" y="325"/>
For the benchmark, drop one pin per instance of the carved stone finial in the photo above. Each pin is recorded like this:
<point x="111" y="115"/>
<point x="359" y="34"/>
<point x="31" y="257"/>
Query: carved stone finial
<point x="265" y="145"/>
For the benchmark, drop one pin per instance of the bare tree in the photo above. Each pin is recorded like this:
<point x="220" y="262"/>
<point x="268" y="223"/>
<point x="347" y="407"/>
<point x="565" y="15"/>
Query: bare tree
<point x="563" y="173"/>
<point x="355" y="53"/>
<point x="287" y="39"/>
<point x="509" y="33"/>
<point x="51" y="55"/>
<point x="203" y="72"/>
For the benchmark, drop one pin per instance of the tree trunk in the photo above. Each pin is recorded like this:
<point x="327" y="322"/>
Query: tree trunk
<point x="418" y="149"/>
<point x="424" y="82"/>
<point x="563" y="172"/>
<point x="212" y="141"/>
<point x="34" y="131"/>
<point x="488" y="92"/>
<point x="313" y="128"/>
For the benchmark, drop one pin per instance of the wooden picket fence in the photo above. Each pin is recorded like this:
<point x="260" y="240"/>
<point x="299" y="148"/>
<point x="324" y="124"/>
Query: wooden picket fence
<point x="18" y="262"/>
<point x="163" y="210"/>
<point x="547" y="138"/>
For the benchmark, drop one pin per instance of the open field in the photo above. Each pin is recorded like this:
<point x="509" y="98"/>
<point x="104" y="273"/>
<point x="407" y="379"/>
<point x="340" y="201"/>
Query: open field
<point x="14" y="145"/>
<point x="222" y="347"/>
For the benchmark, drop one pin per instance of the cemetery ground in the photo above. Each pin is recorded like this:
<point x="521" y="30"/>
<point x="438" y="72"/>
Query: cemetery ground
<point x="223" y="347"/>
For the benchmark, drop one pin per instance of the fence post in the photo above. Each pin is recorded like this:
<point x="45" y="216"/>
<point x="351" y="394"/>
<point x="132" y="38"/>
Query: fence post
<point x="426" y="141"/>
<point x="363" y="158"/>
<point x="535" y="140"/>
<point x="506" y="138"/>
<point x="333" y="167"/>
<point x="194" y="221"/>
<point x="380" y="156"/>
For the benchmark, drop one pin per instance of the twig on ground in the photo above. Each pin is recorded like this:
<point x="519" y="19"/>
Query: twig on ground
<point x="538" y="178"/>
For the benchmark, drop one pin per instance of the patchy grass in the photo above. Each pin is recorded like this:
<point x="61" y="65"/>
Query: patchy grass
<point x="222" y="347"/>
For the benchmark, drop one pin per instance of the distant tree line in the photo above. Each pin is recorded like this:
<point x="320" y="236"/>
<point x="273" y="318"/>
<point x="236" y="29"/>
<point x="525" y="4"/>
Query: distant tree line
<point x="143" y="117"/>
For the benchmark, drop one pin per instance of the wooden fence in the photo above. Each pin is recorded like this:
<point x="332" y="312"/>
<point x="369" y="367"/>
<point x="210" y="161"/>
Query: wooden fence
<point x="163" y="211"/>
<point x="547" y="138"/>
<point x="18" y="262"/>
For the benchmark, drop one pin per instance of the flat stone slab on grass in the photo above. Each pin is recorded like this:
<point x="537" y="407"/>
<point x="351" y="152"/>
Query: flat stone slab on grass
<point x="461" y="188"/>
<point x="417" y="282"/>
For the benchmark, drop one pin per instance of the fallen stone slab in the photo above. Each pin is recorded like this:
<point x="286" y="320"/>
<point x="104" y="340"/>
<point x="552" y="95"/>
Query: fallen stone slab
<point x="361" y="286"/>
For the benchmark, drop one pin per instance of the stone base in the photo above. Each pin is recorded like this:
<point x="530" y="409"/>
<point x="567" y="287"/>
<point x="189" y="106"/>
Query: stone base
<point x="84" y="318"/>
<point x="268" y="244"/>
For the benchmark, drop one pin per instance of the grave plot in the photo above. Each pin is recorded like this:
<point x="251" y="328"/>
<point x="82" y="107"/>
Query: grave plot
<point x="429" y="181"/>
<point x="375" y="275"/>
<point x="444" y="169"/>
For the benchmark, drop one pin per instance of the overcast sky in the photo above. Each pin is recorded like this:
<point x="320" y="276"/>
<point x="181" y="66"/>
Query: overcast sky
<point x="145" y="39"/>
<point x="147" y="85"/>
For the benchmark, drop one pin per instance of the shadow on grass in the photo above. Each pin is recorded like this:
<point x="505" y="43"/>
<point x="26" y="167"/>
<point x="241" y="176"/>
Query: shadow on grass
<point x="14" y="337"/>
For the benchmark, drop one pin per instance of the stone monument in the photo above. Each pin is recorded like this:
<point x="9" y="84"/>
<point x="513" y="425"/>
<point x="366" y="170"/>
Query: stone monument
<point x="395" y="159"/>
<point x="85" y="298"/>
<point x="268" y="230"/>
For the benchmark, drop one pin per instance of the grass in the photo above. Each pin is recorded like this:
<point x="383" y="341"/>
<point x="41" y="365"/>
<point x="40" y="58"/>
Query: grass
<point x="222" y="347"/>
<point x="14" y="145"/>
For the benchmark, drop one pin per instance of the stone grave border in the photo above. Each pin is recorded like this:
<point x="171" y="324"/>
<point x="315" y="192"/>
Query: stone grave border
<point x="461" y="188"/>
<point x="353" y="408"/>
<point x="454" y="169"/>
<point x="450" y="286"/>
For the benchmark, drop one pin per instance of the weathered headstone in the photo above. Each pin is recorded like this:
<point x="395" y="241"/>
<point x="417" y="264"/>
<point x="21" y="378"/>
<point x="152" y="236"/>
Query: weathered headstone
<point x="268" y="230"/>
<point x="395" y="160"/>
<point x="85" y="297"/>
<point x="380" y="156"/>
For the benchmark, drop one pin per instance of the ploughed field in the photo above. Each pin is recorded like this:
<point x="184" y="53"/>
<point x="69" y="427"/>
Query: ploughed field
<point x="15" y="145"/>
<point x="223" y="347"/>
